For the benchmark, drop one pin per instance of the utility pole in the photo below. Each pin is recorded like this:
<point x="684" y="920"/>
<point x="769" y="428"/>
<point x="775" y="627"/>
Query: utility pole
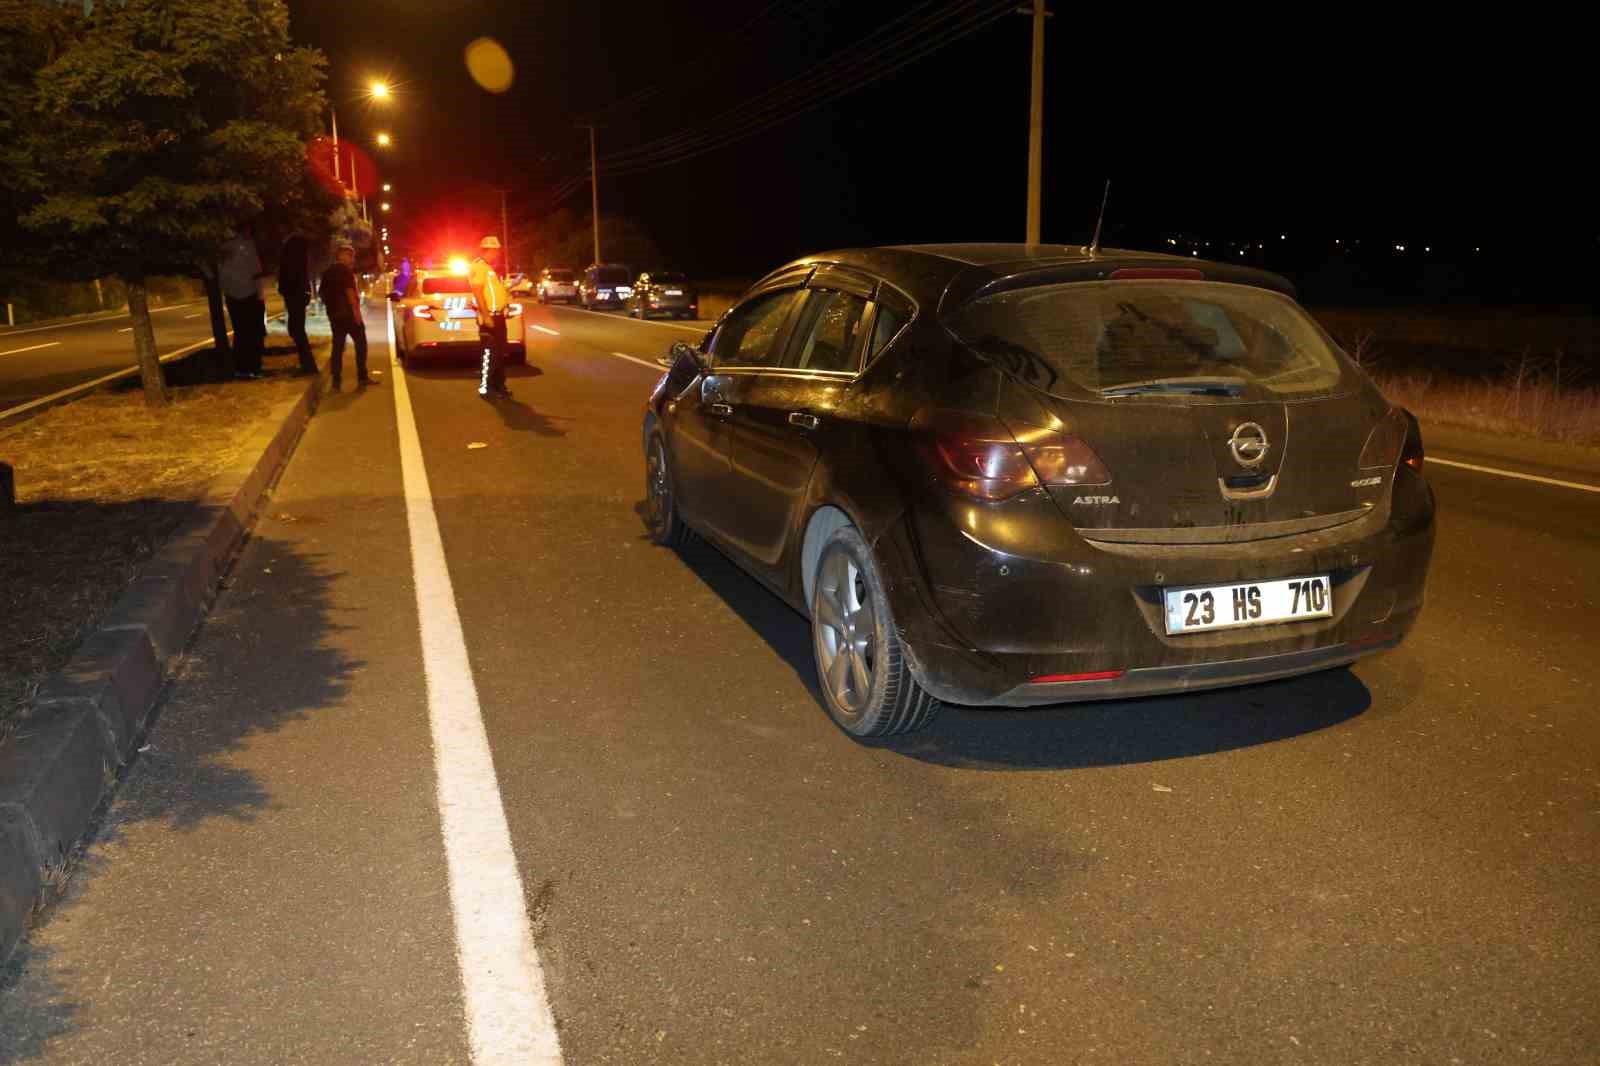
<point x="335" y="114"/>
<point x="1036" y="118"/>
<point x="594" y="194"/>
<point x="505" y="233"/>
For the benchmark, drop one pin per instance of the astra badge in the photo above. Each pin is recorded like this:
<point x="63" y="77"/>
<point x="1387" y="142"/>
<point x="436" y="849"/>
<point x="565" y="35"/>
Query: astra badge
<point x="1366" y="482"/>
<point x="1096" y="499"/>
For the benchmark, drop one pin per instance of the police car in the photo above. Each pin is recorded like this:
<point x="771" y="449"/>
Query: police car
<point x="435" y="316"/>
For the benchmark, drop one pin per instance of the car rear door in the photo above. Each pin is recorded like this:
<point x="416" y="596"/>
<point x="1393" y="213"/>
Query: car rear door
<point x="782" y="415"/>
<point x="699" y="444"/>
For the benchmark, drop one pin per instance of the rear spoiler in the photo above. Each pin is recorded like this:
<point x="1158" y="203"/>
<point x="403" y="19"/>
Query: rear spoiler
<point x="977" y="282"/>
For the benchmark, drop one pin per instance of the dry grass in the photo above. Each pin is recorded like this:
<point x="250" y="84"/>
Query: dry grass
<point x="1531" y="407"/>
<point x="101" y="484"/>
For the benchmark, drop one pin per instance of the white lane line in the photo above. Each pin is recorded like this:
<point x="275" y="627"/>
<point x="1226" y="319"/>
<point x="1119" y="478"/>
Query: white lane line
<point x="30" y="348"/>
<point x="125" y="329"/>
<point x="642" y="362"/>
<point x="87" y="386"/>
<point x="508" y="1013"/>
<point x="546" y="329"/>
<point x="87" y="321"/>
<point x="700" y="329"/>
<point x="1512" y="473"/>
<point x="197" y="314"/>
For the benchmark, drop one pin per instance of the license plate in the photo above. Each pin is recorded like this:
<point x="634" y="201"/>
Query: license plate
<point x="1258" y="603"/>
<point x="463" y="312"/>
<point x="673" y="292"/>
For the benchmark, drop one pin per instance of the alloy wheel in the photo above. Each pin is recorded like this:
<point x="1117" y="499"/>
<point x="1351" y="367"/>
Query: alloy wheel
<point x="848" y="638"/>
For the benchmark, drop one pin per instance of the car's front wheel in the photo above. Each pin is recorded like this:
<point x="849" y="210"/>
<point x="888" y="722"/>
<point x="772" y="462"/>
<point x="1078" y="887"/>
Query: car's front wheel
<point x="661" y="515"/>
<point x="862" y="671"/>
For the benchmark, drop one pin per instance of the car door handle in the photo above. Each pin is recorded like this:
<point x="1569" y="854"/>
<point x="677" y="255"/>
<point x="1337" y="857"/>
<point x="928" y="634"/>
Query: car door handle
<point x="721" y="410"/>
<point x="803" y="420"/>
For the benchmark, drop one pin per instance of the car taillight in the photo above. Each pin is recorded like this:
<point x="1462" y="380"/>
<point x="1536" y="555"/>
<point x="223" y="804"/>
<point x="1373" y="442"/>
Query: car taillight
<point x="513" y="310"/>
<point x="1411" y="454"/>
<point x="1385" y="442"/>
<point x="421" y="311"/>
<point x="978" y="456"/>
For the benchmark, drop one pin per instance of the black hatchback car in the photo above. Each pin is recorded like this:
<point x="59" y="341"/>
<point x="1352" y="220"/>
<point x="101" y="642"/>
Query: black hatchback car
<point x="664" y="292"/>
<point x="1008" y="475"/>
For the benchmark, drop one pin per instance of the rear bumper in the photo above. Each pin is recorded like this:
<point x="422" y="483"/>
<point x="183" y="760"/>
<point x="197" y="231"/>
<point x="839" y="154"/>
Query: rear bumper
<point x="1164" y="680"/>
<point x="981" y="619"/>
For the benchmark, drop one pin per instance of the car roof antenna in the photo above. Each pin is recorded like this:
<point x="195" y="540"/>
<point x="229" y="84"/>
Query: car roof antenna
<point x="1094" y="244"/>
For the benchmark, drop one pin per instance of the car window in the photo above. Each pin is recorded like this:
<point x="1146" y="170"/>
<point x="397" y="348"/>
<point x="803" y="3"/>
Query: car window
<point x="748" y="336"/>
<point x="1137" y="338"/>
<point x="611" y="276"/>
<point x="829" y="332"/>
<point x="445" y="283"/>
<point x="893" y="314"/>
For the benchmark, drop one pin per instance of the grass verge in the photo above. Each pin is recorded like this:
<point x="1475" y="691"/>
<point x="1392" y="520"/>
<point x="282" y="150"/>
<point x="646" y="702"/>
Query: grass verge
<point x="101" y="483"/>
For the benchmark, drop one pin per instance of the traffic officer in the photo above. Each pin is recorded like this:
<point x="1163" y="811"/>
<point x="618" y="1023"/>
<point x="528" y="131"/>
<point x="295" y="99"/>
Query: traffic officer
<point x="492" y="297"/>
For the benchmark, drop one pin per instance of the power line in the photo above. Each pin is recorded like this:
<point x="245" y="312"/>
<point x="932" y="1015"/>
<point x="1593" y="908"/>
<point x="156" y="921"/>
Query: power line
<point x="821" y="80"/>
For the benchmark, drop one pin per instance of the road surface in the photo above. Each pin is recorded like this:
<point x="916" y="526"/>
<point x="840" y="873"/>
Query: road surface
<point x="36" y="361"/>
<point x="1395" y="863"/>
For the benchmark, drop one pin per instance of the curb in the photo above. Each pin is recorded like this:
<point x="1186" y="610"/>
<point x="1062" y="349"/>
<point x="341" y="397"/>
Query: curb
<point x="88" y="717"/>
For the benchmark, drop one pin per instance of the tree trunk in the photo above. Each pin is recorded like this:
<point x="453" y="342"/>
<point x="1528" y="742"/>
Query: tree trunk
<point x="222" y="357"/>
<point x="144" y="344"/>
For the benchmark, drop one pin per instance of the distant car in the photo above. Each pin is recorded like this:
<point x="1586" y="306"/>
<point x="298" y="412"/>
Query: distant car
<point x="557" y="284"/>
<point x="1010" y="475"/>
<point x="436" y="316"/>
<point x="664" y="292"/>
<point x="604" y="286"/>
<point x="519" y="284"/>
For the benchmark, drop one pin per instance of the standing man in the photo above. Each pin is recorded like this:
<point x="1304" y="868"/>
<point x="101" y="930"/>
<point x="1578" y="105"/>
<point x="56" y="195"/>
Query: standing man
<point x="343" y="303"/>
<point x="240" y="275"/>
<point x="491" y="296"/>
<point x="294" y="285"/>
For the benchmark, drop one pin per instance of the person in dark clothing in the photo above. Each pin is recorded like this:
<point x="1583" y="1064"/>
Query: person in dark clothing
<point x="343" y="302"/>
<point x="240" y="275"/>
<point x="294" y="285"/>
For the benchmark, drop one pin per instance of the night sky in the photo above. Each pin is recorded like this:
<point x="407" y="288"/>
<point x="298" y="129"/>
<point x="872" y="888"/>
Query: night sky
<point x="1315" y="127"/>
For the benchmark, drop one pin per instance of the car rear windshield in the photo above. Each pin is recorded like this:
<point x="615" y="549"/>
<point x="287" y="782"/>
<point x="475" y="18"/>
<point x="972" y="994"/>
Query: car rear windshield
<point x="560" y="275"/>
<point x="611" y="276"/>
<point x="1138" y="338"/>
<point x="445" y="283"/>
<point x="669" y="278"/>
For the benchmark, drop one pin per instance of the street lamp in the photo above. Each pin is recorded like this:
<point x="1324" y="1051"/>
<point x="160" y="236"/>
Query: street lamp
<point x="384" y="206"/>
<point x="384" y="140"/>
<point x="378" y="90"/>
<point x="387" y="186"/>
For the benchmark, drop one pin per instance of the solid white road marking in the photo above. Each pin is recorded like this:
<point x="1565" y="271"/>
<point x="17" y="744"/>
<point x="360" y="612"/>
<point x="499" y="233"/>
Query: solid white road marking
<point x="30" y="348"/>
<point x="642" y="362"/>
<point x="197" y="314"/>
<point x="508" y="1014"/>
<point x="86" y="386"/>
<point x="125" y="329"/>
<point x="546" y="329"/>
<point x="1512" y="473"/>
<point x="88" y="320"/>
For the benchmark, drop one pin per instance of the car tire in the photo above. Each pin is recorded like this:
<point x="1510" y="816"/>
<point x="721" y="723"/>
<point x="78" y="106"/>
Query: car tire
<point x="661" y="518"/>
<point x="853" y="637"/>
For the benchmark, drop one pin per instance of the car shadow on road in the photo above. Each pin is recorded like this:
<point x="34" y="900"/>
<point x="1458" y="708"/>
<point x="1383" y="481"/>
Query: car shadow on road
<point x="1064" y="736"/>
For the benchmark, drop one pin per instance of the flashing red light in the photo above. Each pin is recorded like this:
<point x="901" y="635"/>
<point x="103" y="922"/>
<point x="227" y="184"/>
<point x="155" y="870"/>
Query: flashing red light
<point x="1157" y="273"/>
<point x="1092" y="675"/>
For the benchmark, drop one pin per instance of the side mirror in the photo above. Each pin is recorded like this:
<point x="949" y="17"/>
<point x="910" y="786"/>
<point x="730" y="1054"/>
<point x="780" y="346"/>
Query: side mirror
<point x="681" y="350"/>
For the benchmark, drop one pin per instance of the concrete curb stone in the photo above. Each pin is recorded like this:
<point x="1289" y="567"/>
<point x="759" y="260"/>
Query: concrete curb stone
<point x="87" y="718"/>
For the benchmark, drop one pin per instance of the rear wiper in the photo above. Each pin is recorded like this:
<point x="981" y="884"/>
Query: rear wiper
<point x="1179" y="386"/>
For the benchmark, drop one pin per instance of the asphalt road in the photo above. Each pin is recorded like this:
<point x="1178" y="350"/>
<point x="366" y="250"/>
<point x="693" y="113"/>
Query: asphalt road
<point x="39" y="360"/>
<point x="1394" y="863"/>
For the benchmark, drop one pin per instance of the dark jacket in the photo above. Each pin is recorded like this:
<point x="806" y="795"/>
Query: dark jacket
<point x="294" y="274"/>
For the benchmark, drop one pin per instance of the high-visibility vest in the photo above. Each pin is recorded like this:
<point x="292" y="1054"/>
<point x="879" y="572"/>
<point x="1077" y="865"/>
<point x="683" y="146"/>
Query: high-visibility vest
<point x="488" y="290"/>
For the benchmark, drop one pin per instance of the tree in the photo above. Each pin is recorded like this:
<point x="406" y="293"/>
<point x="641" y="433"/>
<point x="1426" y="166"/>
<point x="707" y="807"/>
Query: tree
<point x="143" y="132"/>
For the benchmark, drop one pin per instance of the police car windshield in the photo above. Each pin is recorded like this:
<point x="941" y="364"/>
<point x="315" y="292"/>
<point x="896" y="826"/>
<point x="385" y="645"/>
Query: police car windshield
<point x="445" y="283"/>
<point x="560" y="275"/>
<point x="611" y="276"/>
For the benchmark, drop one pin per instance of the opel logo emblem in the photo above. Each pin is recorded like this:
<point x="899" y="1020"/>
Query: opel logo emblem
<point x="1249" y="444"/>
